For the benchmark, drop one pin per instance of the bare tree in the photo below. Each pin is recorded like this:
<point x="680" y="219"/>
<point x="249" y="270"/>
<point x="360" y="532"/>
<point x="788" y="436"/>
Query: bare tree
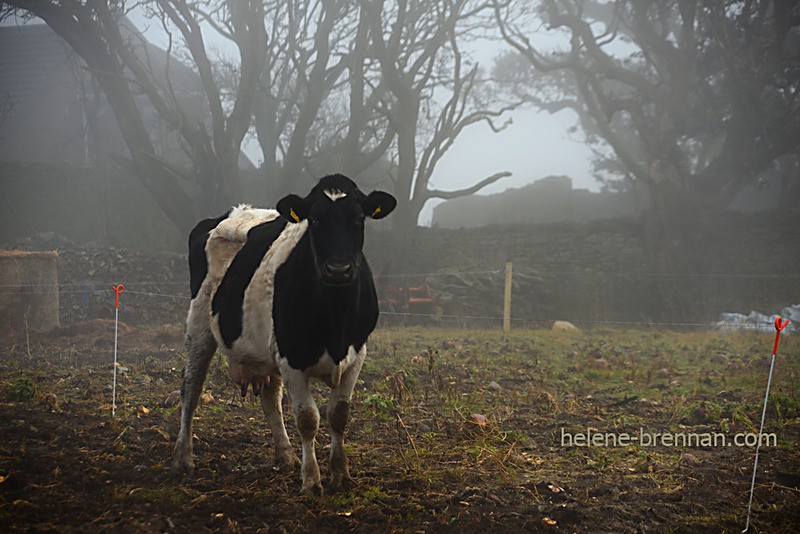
<point x="434" y="91"/>
<point x="696" y="99"/>
<point x="325" y="86"/>
<point x="348" y="85"/>
<point x="117" y="56"/>
<point x="312" y="116"/>
<point x="7" y="104"/>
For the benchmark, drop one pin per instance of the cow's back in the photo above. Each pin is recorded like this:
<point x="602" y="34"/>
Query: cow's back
<point x="230" y="235"/>
<point x="213" y="242"/>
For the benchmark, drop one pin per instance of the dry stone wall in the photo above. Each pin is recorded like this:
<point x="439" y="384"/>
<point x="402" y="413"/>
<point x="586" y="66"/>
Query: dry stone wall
<point x="599" y="271"/>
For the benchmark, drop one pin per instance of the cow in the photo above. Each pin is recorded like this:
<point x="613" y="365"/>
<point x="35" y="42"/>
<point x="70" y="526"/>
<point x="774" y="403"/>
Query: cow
<point x="287" y="296"/>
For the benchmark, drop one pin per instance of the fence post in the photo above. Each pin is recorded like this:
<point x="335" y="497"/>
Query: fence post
<point x="507" y="301"/>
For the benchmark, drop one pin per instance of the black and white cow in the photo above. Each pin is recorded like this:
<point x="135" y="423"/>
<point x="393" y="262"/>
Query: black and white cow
<point x="287" y="295"/>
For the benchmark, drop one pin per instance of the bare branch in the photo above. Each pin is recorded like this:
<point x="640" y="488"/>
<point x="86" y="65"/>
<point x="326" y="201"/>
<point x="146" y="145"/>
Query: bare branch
<point x="435" y="193"/>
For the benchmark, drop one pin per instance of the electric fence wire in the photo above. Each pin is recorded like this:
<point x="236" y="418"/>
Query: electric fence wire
<point x="101" y="292"/>
<point x="445" y="316"/>
<point x="541" y="273"/>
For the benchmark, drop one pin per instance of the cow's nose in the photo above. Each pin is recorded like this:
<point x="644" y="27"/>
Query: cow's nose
<point x="337" y="272"/>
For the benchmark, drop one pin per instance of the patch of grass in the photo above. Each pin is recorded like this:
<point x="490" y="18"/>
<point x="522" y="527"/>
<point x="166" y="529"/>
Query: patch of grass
<point x="22" y="390"/>
<point x="379" y="405"/>
<point x="785" y="405"/>
<point x="164" y="496"/>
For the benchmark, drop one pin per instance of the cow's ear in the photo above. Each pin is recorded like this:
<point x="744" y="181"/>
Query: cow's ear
<point x="293" y="208"/>
<point x="378" y="204"/>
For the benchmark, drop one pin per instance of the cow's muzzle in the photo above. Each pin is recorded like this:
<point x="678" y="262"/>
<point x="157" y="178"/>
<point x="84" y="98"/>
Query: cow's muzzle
<point x="338" y="272"/>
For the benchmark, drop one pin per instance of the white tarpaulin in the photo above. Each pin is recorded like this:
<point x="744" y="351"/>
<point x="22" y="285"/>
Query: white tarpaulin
<point x="759" y="321"/>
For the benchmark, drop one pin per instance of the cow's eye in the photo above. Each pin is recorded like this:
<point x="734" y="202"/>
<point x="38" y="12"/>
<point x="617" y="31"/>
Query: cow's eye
<point x="312" y="221"/>
<point x="359" y="220"/>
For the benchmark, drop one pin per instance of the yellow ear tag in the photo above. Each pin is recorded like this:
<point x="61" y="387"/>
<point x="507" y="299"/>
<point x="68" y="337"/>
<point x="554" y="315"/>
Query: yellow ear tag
<point x="294" y="215"/>
<point x="377" y="211"/>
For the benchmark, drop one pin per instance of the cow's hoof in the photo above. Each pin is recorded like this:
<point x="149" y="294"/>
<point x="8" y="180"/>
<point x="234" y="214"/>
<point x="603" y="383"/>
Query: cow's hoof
<point x="182" y="466"/>
<point x="340" y="481"/>
<point x="287" y="458"/>
<point x="312" y="488"/>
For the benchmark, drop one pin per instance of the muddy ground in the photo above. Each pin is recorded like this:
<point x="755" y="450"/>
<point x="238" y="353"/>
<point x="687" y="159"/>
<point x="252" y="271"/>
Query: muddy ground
<point x="451" y="431"/>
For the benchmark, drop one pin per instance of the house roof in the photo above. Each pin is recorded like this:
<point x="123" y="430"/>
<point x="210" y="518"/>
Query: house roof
<point x="33" y="60"/>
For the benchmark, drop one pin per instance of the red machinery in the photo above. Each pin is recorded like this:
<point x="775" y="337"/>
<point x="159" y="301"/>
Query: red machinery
<point x="413" y="299"/>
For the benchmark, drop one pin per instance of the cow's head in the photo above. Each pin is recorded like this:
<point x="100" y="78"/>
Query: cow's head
<point x="335" y="210"/>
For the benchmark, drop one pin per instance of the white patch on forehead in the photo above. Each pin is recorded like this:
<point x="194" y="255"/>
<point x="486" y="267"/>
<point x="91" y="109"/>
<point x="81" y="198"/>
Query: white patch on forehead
<point x="335" y="194"/>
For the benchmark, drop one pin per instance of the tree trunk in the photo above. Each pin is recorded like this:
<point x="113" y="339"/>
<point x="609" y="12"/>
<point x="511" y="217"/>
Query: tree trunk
<point x="155" y="177"/>
<point x="672" y="226"/>
<point x="405" y="218"/>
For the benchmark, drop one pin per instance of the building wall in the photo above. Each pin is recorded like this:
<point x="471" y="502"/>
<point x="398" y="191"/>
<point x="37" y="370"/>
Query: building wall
<point x="550" y="199"/>
<point x="101" y="205"/>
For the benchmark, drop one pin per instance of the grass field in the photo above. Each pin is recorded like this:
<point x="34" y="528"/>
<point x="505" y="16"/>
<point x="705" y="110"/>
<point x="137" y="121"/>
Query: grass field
<point x="452" y="430"/>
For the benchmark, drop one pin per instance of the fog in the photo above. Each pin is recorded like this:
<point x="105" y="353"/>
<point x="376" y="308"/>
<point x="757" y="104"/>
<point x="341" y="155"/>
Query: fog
<point x="634" y="107"/>
<point x="534" y="146"/>
<point x="575" y="219"/>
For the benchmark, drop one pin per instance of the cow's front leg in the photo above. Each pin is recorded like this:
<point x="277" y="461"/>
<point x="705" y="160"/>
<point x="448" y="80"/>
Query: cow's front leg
<point x="271" y="395"/>
<point x="338" y="414"/>
<point x="306" y="416"/>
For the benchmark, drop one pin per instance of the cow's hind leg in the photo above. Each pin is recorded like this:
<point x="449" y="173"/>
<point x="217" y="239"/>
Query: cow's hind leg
<point x="200" y="348"/>
<point x="306" y="416"/>
<point x="271" y="396"/>
<point x="338" y="414"/>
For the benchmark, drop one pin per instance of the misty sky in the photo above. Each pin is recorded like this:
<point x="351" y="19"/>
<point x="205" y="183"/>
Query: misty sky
<point x="534" y="146"/>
